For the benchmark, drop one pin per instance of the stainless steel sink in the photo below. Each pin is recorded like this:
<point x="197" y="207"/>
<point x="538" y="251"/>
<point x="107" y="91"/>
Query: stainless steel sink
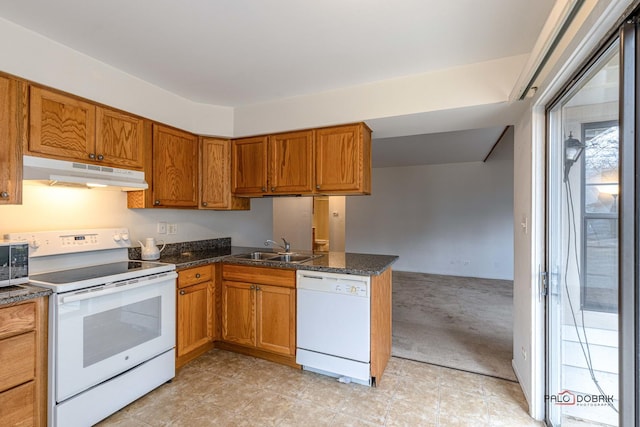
<point x="293" y="258"/>
<point x="257" y="256"/>
<point x="274" y="257"/>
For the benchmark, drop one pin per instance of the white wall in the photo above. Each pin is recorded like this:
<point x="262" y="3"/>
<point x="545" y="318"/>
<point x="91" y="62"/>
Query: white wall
<point x="31" y="56"/>
<point x="46" y="208"/>
<point x="524" y="313"/>
<point x="481" y="84"/>
<point x="454" y="219"/>
<point x="293" y="220"/>
<point x="337" y="223"/>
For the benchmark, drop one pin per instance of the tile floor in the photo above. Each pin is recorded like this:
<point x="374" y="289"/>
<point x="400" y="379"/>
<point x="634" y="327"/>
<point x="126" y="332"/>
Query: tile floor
<point x="227" y="389"/>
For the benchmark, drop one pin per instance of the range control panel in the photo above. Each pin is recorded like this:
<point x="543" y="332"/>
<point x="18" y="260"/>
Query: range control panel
<point x="43" y="243"/>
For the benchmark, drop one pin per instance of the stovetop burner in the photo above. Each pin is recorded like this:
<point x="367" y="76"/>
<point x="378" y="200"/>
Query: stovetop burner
<point x="85" y="277"/>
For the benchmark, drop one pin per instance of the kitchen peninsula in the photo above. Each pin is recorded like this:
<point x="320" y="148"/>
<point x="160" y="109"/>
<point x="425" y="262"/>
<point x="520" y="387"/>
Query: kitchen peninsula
<point x="219" y="304"/>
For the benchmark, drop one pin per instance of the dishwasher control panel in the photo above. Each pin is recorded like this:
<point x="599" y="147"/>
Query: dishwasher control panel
<point x="346" y="288"/>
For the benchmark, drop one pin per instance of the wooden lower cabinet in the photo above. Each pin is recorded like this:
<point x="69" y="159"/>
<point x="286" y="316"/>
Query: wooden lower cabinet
<point x="275" y="319"/>
<point x="195" y="313"/>
<point x="239" y="313"/>
<point x="258" y="311"/>
<point x="23" y="363"/>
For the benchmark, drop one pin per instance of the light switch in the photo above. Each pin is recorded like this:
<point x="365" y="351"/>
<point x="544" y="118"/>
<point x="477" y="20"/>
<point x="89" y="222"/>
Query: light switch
<point x="162" y="227"/>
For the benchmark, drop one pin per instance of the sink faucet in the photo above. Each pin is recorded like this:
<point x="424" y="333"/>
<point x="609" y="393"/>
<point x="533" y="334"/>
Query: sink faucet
<point x="286" y="247"/>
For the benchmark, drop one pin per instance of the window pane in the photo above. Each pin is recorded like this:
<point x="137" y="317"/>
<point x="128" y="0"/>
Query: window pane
<point x="601" y="275"/>
<point x="600" y="167"/>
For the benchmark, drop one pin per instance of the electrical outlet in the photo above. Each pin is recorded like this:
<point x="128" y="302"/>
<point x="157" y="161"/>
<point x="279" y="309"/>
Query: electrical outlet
<point x="172" y="228"/>
<point x="162" y="227"/>
<point x="524" y="353"/>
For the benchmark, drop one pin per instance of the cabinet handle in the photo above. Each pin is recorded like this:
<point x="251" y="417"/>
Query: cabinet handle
<point x="100" y="157"/>
<point x="264" y="189"/>
<point x="4" y="195"/>
<point x="273" y="188"/>
<point x="157" y="203"/>
<point x="204" y="203"/>
<point x="197" y="275"/>
<point x="252" y="287"/>
<point x="182" y="292"/>
<point x="257" y="288"/>
<point x="92" y="156"/>
<point x="317" y="187"/>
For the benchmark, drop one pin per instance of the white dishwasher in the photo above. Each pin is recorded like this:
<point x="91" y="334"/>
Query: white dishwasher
<point x="333" y="325"/>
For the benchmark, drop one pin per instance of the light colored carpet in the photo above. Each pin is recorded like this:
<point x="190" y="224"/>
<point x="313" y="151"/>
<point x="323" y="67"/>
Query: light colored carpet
<point x="458" y="322"/>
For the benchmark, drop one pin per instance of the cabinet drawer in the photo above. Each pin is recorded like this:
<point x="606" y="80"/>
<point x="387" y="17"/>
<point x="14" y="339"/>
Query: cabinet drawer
<point x="195" y="275"/>
<point x="264" y="275"/>
<point x="17" y="319"/>
<point x="17" y="406"/>
<point x="17" y="360"/>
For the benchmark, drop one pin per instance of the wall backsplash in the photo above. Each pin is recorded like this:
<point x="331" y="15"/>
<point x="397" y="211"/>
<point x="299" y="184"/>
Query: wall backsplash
<point x="61" y="208"/>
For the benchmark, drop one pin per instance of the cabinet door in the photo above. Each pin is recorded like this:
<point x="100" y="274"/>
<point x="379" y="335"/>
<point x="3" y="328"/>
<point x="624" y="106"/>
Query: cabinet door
<point x="215" y="176"/>
<point x="238" y="313"/>
<point x="275" y="312"/>
<point x="249" y="166"/>
<point x="291" y="162"/>
<point x="343" y="159"/>
<point x="119" y="139"/>
<point x="195" y="317"/>
<point x="175" y="171"/>
<point x="61" y="126"/>
<point x="11" y="122"/>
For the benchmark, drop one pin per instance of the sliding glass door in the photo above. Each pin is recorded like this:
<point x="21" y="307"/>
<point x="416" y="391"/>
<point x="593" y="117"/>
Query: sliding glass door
<point x="583" y="247"/>
<point x="593" y="217"/>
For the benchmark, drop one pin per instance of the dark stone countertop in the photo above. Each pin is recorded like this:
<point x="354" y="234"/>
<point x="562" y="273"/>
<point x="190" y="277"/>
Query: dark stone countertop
<point x="24" y="292"/>
<point x="201" y="252"/>
<point x="332" y="262"/>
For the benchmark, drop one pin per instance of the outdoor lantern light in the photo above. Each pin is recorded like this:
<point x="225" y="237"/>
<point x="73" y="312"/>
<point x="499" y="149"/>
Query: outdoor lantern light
<point x="572" y="150"/>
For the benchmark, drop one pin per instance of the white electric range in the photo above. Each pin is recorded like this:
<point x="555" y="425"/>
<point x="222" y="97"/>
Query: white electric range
<point x="111" y="321"/>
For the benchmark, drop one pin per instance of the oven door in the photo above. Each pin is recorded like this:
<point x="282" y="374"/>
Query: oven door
<point x="105" y="331"/>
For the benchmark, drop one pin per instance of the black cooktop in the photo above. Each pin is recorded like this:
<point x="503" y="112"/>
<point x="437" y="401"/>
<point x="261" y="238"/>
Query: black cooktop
<point x="93" y="272"/>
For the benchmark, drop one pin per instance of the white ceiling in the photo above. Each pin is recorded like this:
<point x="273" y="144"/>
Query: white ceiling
<point x="244" y="52"/>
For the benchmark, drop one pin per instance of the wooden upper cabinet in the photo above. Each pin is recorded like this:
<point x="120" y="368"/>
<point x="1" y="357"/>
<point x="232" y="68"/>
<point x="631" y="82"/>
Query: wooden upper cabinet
<point x="249" y="166"/>
<point x="215" y="177"/>
<point x="72" y="129"/>
<point x="291" y="163"/>
<point x="343" y="159"/>
<point x="119" y="139"/>
<point x="175" y="175"/>
<point x="332" y="160"/>
<point x="11" y="135"/>
<point x="61" y="126"/>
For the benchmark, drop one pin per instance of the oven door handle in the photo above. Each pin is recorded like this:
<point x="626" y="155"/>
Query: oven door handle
<point x="117" y="289"/>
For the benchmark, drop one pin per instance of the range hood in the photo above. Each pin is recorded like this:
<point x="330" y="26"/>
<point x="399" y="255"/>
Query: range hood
<point x="60" y="172"/>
